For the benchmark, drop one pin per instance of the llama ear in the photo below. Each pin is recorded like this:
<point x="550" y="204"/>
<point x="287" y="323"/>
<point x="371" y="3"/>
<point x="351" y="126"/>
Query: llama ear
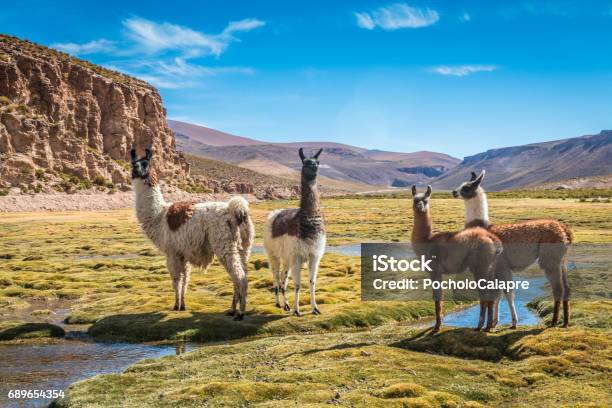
<point x="148" y="154"/>
<point x="479" y="179"/>
<point x="133" y="154"/>
<point x="316" y="156"/>
<point x="414" y="192"/>
<point x="302" y="157"/>
<point x="428" y="192"/>
<point x="473" y="176"/>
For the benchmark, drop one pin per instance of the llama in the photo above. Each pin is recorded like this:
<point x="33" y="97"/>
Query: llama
<point x="295" y="236"/>
<point x="192" y="233"/>
<point x="454" y="252"/>
<point x="543" y="240"/>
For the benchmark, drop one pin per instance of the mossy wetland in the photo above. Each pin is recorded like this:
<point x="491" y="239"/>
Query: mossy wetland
<point x="111" y="282"/>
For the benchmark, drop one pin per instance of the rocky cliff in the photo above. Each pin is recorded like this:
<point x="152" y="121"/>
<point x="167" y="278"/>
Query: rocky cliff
<point x="68" y="124"/>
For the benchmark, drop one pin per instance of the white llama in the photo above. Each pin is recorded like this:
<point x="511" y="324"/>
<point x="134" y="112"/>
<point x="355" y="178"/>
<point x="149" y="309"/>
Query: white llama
<point x="192" y="233"/>
<point x="297" y="235"/>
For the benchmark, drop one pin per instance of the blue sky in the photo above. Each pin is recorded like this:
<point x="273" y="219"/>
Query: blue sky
<point x="458" y="77"/>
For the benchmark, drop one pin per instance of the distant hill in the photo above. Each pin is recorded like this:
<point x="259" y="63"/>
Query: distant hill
<point x="201" y="135"/>
<point x="218" y="176"/>
<point x="538" y="163"/>
<point x="340" y="162"/>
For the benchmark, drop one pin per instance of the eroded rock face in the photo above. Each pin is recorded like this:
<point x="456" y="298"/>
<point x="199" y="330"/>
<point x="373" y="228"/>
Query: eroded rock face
<point x="66" y="119"/>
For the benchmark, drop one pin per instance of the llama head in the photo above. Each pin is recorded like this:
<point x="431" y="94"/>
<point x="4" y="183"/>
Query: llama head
<point x="470" y="189"/>
<point x="310" y="165"/>
<point x="141" y="167"/>
<point x="420" y="201"/>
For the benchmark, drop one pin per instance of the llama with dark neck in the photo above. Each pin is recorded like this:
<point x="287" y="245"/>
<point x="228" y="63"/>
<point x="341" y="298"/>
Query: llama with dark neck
<point x="542" y="240"/>
<point x="453" y="253"/>
<point x="296" y="236"/>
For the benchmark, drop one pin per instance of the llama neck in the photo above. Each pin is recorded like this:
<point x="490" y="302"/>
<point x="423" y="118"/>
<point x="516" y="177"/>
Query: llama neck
<point x="422" y="229"/>
<point x="477" y="208"/>
<point x="149" y="204"/>
<point x="310" y="201"/>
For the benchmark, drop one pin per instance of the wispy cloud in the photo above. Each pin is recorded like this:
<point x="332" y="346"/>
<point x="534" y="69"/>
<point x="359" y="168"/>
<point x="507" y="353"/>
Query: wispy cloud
<point x="160" y="53"/>
<point x="462" y="70"/>
<point x="465" y="17"/>
<point x="92" y="47"/>
<point x="396" y="16"/>
<point x="157" y="37"/>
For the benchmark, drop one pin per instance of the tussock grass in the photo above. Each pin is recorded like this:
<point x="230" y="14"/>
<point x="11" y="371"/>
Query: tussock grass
<point x="355" y="354"/>
<point x="19" y="330"/>
<point x="368" y="368"/>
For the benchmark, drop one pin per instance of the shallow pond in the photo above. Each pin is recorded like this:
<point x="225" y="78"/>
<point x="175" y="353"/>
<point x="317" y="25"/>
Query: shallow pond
<point x="469" y="317"/>
<point x="56" y="366"/>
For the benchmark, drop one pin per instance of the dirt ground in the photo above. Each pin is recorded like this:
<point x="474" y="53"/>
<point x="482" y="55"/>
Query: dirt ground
<point x="91" y="201"/>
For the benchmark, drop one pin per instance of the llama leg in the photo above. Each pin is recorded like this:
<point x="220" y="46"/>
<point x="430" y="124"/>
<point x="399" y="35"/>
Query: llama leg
<point x="490" y="306"/>
<point x="496" y="310"/>
<point x="275" y="267"/>
<point x="232" y="310"/>
<point x="173" y="263"/>
<point x="481" y="316"/>
<point x="313" y="268"/>
<point x="566" y="295"/>
<point x="510" y="299"/>
<point x="554" y="277"/>
<point x="438" y="302"/>
<point x="285" y="279"/>
<point x="184" y="281"/>
<point x="232" y="263"/>
<point x="295" y="271"/>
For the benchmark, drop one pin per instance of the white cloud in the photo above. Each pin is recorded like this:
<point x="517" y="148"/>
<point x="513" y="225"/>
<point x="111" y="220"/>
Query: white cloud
<point x="397" y="16"/>
<point x="175" y="73"/>
<point x="365" y="21"/>
<point x="157" y="37"/>
<point x="92" y="47"/>
<point x="247" y="24"/>
<point x="159" y="53"/>
<point x="149" y="37"/>
<point x="465" y="17"/>
<point x="462" y="70"/>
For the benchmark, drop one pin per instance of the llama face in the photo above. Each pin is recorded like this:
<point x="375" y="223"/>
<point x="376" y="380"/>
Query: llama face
<point x="420" y="201"/>
<point x="310" y="166"/>
<point x="141" y="167"/>
<point x="469" y="189"/>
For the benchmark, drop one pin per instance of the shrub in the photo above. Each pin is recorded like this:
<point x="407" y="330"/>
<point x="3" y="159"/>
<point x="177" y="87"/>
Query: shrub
<point x="99" y="180"/>
<point x="22" y="109"/>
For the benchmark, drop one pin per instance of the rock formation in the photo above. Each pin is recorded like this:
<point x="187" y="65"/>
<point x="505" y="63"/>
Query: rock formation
<point x="66" y="123"/>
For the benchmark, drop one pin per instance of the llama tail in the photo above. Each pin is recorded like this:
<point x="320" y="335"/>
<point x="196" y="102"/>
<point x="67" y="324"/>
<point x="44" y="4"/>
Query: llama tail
<point x="569" y="235"/>
<point x="239" y="209"/>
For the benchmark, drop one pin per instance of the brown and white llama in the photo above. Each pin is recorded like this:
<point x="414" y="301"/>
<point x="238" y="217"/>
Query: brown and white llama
<point x="475" y="249"/>
<point x="294" y="236"/>
<point x="192" y="233"/>
<point x="542" y="240"/>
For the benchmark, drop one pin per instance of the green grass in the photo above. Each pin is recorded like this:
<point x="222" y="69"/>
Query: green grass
<point x="19" y="330"/>
<point x="355" y="354"/>
<point x="377" y="368"/>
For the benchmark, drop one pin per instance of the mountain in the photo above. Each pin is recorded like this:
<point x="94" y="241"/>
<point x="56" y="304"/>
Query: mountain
<point x="67" y="124"/>
<point x="538" y="163"/>
<point x="201" y="135"/>
<point x="340" y="162"/>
